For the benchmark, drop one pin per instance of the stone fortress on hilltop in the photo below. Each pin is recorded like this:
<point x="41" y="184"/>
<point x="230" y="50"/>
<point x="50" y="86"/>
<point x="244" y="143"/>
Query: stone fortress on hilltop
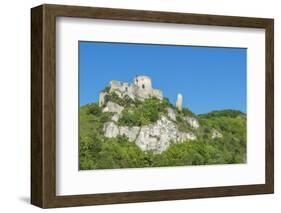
<point x="155" y="137"/>
<point x="141" y="89"/>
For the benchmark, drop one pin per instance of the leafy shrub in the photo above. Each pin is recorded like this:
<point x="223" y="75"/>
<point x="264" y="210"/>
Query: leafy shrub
<point x="147" y="112"/>
<point x="187" y="112"/>
<point x="167" y="103"/>
<point x="182" y="124"/>
<point x="94" y="109"/>
<point x="224" y="113"/>
<point x="126" y="101"/>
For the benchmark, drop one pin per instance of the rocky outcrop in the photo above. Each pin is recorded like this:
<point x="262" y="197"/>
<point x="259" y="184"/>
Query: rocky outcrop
<point x="183" y="136"/>
<point x="110" y="129"/>
<point x="155" y="137"/>
<point x="130" y="132"/>
<point x="113" y="107"/>
<point x="193" y="122"/>
<point x="171" y="114"/>
<point x="216" y="134"/>
<point x="115" y="117"/>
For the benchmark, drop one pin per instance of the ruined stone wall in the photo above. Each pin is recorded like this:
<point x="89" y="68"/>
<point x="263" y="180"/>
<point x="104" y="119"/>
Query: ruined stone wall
<point x="141" y="88"/>
<point x="101" y="98"/>
<point x="157" y="93"/>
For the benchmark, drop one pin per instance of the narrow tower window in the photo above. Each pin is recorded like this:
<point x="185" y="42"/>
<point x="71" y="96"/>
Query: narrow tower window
<point x="143" y="86"/>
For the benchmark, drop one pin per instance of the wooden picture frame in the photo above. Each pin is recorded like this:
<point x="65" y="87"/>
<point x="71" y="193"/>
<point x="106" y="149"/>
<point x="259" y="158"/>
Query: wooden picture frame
<point x="43" y="105"/>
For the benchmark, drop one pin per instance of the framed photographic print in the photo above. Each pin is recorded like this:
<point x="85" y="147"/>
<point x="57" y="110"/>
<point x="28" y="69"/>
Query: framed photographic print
<point x="137" y="106"/>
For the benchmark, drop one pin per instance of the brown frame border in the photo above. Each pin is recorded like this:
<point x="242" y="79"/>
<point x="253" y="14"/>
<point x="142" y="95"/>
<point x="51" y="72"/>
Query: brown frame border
<point x="43" y="105"/>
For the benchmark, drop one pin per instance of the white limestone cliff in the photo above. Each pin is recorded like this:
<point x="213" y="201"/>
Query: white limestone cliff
<point x="155" y="137"/>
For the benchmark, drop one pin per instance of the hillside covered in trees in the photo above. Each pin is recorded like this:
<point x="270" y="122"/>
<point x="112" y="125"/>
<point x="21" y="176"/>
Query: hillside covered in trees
<point x="119" y="132"/>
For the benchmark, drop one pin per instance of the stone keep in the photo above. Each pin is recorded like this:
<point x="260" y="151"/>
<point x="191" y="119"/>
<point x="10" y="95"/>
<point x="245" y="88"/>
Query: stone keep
<point x="179" y="102"/>
<point x="142" y="87"/>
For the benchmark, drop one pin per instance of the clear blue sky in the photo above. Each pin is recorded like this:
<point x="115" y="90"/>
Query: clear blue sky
<point x="210" y="78"/>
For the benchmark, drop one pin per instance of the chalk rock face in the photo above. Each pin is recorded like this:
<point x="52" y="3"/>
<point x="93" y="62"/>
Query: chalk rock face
<point x="115" y="117"/>
<point x="185" y="136"/>
<point x="158" y="136"/>
<point x="113" y="107"/>
<point x="193" y="122"/>
<point x="171" y="114"/>
<point x="130" y="132"/>
<point x="110" y="129"/>
<point x="155" y="137"/>
<point x="216" y="134"/>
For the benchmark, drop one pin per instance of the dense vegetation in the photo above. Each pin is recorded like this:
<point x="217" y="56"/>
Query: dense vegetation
<point x="99" y="152"/>
<point x="142" y="114"/>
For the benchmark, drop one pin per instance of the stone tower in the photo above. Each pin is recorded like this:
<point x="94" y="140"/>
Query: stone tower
<point x="143" y="82"/>
<point x="179" y="102"/>
<point x="142" y="87"/>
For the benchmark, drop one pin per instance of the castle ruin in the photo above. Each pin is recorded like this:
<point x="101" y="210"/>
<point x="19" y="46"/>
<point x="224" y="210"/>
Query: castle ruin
<point x="141" y="89"/>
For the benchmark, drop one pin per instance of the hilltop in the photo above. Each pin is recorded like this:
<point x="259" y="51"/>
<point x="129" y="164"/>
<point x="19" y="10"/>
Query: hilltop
<point x="134" y="125"/>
